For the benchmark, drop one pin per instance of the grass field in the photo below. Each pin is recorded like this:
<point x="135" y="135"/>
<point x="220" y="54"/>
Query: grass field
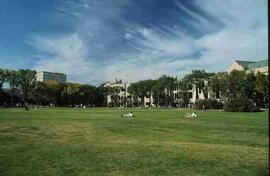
<point x="156" y="142"/>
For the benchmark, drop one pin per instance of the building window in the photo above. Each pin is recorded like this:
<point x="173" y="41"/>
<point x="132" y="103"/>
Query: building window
<point x="190" y="95"/>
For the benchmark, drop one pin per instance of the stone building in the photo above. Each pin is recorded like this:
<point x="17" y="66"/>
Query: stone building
<point x="259" y="66"/>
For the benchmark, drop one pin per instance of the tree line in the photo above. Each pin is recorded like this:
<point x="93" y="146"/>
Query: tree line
<point x="234" y="91"/>
<point x="24" y="88"/>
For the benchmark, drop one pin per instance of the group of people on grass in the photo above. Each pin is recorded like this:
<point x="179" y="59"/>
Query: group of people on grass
<point x="130" y="114"/>
<point x="188" y="115"/>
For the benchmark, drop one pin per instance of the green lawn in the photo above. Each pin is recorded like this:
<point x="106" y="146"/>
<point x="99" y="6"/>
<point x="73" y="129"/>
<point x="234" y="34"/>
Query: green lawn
<point x="156" y="142"/>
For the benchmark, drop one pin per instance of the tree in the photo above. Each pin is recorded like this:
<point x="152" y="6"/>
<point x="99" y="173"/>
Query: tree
<point x="2" y="77"/>
<point x="261" y="89"/>
<point x="249" y="86"/>
<point x="163" y="90"/>
<point x="234" y="83"/>
<point x="101" y="93"/>
<point x="53" y="92"/>
<point x="216" y="84"/>
<point x="114" y="94"/>
<point x="40" y="93"/>
<point x="2" y="80"/>
<point x="200" y="78"/>
<point x="26" y="82"/>
<point x="240" y="92"/>
<point x="141" y="90"/>
<point x="184" y="87"/>
<point x="12" y="77"/>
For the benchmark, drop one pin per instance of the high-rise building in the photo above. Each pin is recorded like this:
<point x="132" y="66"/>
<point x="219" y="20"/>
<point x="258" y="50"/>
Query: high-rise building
<point x="44" y="76"/>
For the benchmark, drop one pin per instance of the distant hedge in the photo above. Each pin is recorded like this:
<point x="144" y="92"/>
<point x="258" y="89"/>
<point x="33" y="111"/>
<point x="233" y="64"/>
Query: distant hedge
<point x="241" y="104"/>
<point x="209" y="104"/>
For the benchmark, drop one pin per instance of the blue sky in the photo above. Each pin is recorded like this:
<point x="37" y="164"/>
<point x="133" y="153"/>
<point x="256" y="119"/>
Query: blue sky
<point x="97" y="40"/>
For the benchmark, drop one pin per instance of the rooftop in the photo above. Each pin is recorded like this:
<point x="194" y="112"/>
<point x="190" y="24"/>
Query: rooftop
<point x="263" y="63"/>
<point x="244" y="63"/>
<point x="253" y="64"/>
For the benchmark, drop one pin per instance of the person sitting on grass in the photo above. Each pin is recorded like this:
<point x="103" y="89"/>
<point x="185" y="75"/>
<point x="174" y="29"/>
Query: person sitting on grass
<point x="130" y="114"/>
<point x="26" y="106"/>
<point x="193" y="115"/>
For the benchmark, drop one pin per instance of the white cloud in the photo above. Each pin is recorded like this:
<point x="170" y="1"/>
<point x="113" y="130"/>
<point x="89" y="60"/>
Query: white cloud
<point x="241" y="33"/>
<point x="204" y="22"/>
<point x="171" y="44"/>
<point x="128" y="36"/>
<point x="242" y="36"/>
<point x="86" y="6"/>
<point x="67" y="54"/>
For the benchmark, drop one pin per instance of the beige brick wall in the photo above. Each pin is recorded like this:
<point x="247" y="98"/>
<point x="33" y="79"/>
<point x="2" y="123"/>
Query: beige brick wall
<point x="235" y="66"/>
<point x="262" y="70"/>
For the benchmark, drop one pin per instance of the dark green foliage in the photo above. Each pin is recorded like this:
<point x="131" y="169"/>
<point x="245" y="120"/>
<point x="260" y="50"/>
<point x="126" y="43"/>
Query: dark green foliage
<point x="23" y="88"/>
<point x="243" y="91"/>
<point x="261" y="88"/>
<point x="240" y="90"/>
<point x="163" y="90"/>
<point x="241" y="104"/>
<point x="198" y="78"/>
<point x="209" y="104"/>
<point x="26" y="82"/>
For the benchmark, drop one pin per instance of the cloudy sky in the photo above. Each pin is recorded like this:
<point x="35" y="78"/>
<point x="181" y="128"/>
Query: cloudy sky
<point x="97" y="40"/>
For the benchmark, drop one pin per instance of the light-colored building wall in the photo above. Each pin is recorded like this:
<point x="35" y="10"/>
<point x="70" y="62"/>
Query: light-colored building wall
<point x="122" y="94"/>
<point x="191" y="95"/>
<point x="235" y="66"/>
<point x="200" y="94"/>
<point x="148" y="101"/>
<point x="263" y="70"/>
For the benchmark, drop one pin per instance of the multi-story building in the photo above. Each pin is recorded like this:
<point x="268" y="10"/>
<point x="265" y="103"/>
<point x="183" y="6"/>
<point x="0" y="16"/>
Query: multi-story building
<point x="148" y="101"/>
<point x="119" y="93"/>
<point x="259" y="66"/>
<point x="190" y="93"/>
<point x="44" y="76"/>
<point x="124" y="98"/>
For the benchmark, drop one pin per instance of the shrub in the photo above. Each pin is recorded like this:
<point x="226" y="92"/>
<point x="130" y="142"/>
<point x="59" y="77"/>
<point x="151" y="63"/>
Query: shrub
<point x="209" y="104"/>
<point x="241" y="104"/>
<point x="217" y="104"/>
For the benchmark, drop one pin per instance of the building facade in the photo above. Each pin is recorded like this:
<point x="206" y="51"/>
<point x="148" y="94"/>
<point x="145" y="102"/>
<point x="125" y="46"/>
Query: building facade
<point x="44" y="76"/>
<point x="119" y="94"/>
<point x="260" y="66"/>
<point x="191" y="94"/>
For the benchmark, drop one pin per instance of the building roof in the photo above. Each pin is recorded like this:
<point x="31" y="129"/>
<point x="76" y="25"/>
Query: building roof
<point x="263" y="63"/>
<point x="244" y="63"/>
<point x="51" y="72"/>
<point x="253" y="65"/>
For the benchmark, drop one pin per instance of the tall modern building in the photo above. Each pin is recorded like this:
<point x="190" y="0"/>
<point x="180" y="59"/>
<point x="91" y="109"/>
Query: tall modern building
<point x="44" y="76"/>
